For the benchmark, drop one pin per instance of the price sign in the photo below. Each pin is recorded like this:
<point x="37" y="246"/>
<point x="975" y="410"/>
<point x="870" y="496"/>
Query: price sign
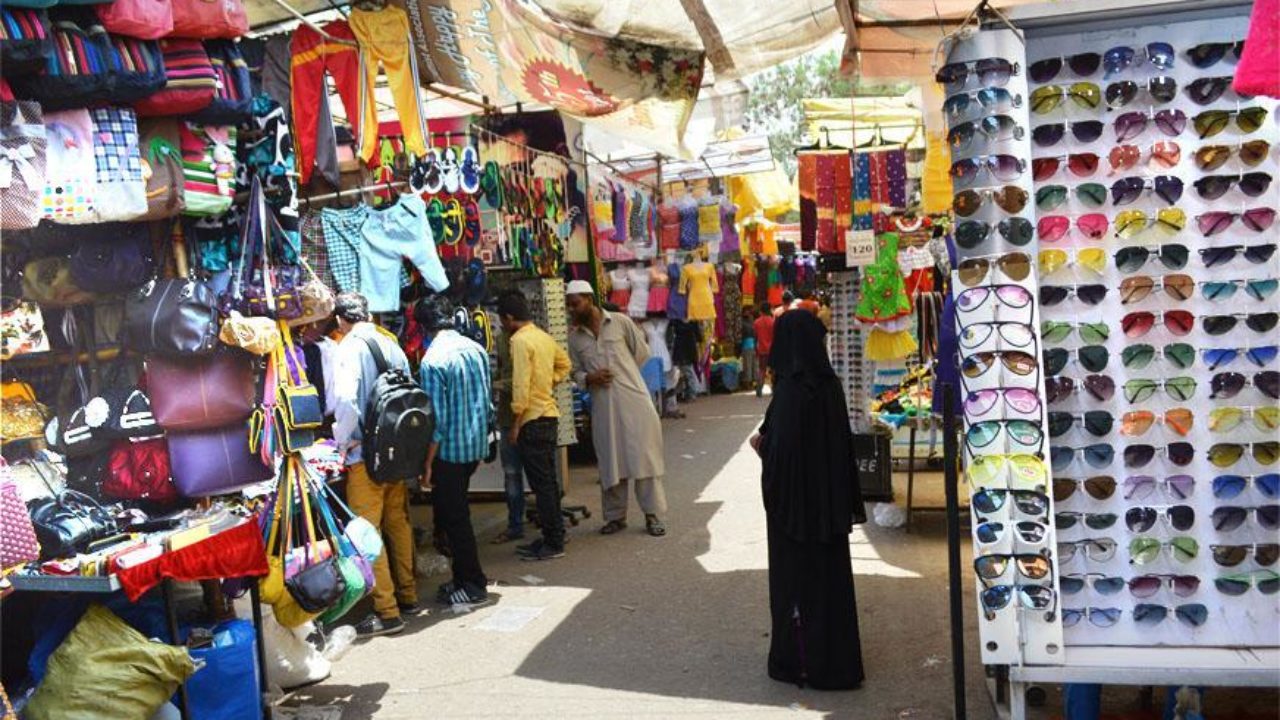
<point x="859" y="248"/>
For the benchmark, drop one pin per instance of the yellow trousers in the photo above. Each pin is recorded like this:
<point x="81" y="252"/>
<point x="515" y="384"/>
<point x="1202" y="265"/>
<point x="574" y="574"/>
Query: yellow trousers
<point x="384" y="37"/>
<point x="387" y="507"/>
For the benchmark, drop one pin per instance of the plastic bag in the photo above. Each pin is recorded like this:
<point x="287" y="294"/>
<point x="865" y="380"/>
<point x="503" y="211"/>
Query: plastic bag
<point x="227" y="686"/>
<point x="291" y="661"/>
<point x="888" y="515"/>
<point x="105" y="658"/>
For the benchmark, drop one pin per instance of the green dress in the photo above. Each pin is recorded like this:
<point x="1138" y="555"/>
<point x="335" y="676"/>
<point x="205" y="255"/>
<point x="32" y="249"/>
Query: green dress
<point x="884" y="294"/>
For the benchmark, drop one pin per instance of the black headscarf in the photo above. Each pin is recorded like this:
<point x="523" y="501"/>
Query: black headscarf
<point x="810" y="476"/>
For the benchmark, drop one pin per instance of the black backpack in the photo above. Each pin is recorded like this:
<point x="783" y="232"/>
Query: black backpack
<point x="398" y="424"/>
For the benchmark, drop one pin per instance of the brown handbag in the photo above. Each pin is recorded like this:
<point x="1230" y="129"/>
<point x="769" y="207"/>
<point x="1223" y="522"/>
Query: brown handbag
<point x="200" y="393"/>
<point x="161" y="167"/>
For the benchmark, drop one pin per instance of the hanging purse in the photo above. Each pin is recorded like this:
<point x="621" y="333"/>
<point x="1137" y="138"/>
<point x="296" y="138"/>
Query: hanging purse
<point x="73" y="431"/>
<point x="214" y="462"/>
<point x="233" y="92"/>
<point x="299" y="399"/>
<point x="18" y="544"/>
<point x="209" y="19"/>
<point x="121" y="192"/>
<point x="316" y="298"/>
<point x="201" y="393"/>
<point x="139" y="470"/>
<point x="190" y="80"/>
<point x="258" y="335"/>
<point x="23" y="151"/>
<point x="259" y="287"/>
<point x="22" y="417"/>
<point x="171" y="317"/>
<point x="21" y="328"/>
<point x="350" y="564"/>
<point x="319" y="585"/>
<point x="25" y="37"/>
<point x="208" y="168"/>
<point x="70" y="169"/>
<point x="161" y="167"/>
<point x="144" y="19"/>
<point x="279" y="543"/>
<point x="113" y="257"/>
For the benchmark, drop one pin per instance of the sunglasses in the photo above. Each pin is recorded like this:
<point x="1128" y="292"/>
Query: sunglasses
<point x="1256" y="219"/>
<point x="1120" y="58"/>
<point x="1146" y="550"/>
<point x="1056" y="331"/>
<point x="1093" y="521"/>
<point x="1208" y="54"/>
<point x="1229" y="384"/>
<point x="1141" y="487"/>
<point x="1095" y="549"/>
<point x="1015" y="231"/>
<point x="1030" y="565"/>
<point x="988" y="71"/>
<point x="1232" y="555"/>
<point x="994" y="128"/>
<point x="1018" y="432"/>
<point x="1003" y="167"/>
<point x="1090" y="294"/>
<point x="1093" y="259"/>
<point x="1226" y="419"/>
<point x="1212" y="157"/>
<point x="1228" y="454"/>
<point x="1256" y="254"/>
<point x="1229" y="487"/>
<point x="989" y="501"/>
<point x="1132" y="258"/>
<point x="1162" y="89"/>
<point x="1050" y="134"/>
<point x="1212" y="122"/>
<point x="1051" y="197"/>
<point x="1136" y="423"/>
<point x="1206" y="90"/>
<point x="1143" y="518"/>
<point x="987" y="98"/>
<point x="1097" y="455"/>
<point x="1082" y="64"/>
<point x="1145" y="586"/>
<point x="1126" y="191"/>
<point x="1137" y="288"/>
<point x="1165" y="154"/>
<point x="1138" y="356"/>
<point x="1267" y="582"/>
<point x="1253" y="184"/>
<point x="1230" y="517"/>
<point x="1178" y="388"/>
<point x="1018" y="335"/>
<point x="1132" y="124"/>
<point x="1192" y="614"/>
<point x="1047" y="98"/>
<point x="1093" y="358"/>
<point x="1131" y="223"/>
<point x="1101" y="387"/>
<point x="1019" y="400"/>
<point x="1257" y="322"/>
<point x="1036" y="598"/>
<point x="1011" y="296"/>
<point x="1015" y="361"/>
<point x="1218" y="290"/>
<point x="1100" y="487"/>
<point x="1103" y="617"/>
<point x="1032" y="533"/>
<point x="1097" y="422"/>
<point x="1177" y="322"/>
<point x="1073" y="583"/>
<point x="1140" y="456"/>
<point x="1015" y="266"/>
<point x="1222" y="357"/>
<point x="1052" y="228"/>
<point x="1080" y="165"/>
<point x="1010" y="198"/>
<point x="1026" y="470"/>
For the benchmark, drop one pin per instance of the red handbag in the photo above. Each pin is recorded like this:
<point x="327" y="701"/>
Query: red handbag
<point x="142" y="19"/>
<point x="139" y="470"/>
<point x="200" y="393"/>
<point x="190" y="80"/>
<point x="209" y="19"/>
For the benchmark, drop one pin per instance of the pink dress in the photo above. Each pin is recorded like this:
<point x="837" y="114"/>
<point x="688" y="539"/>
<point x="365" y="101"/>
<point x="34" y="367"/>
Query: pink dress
<point x="659" y="288"/>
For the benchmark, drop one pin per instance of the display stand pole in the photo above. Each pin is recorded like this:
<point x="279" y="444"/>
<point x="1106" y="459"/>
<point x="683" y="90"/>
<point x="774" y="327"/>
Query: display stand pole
<point x="171" y="616"/>
<point x="951" y="481"/>
<point x="260" y="645"/>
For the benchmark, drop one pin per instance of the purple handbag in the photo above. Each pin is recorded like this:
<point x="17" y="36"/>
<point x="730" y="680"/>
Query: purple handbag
<point x="114" y="257"/>
<point x="257" y="286"/>
<point x="214" y="462"/>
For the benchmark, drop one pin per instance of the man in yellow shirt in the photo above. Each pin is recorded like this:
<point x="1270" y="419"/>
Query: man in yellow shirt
<point x="538" y="364"/>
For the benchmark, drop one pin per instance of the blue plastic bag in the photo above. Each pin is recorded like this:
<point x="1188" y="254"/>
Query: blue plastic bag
<point x="226" y="688"/>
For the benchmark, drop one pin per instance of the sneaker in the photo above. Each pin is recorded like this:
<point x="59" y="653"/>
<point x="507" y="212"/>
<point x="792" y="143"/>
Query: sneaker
<point x="373" y="626"/>
<point x="544" y="552"/>
<point x="411" y="609"/>
<point x="445" y="590"/>
<point x="528" y="548"/>
<point x="469" y="597"/>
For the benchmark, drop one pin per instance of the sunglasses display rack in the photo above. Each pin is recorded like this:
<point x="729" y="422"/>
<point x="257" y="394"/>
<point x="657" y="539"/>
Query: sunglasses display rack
<point x="997" y="317"/>
<point x="546" y="305"/>
<point x="844" y="345"/>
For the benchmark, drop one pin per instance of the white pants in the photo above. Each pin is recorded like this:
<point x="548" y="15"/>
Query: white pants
<point x="649" y="495"/>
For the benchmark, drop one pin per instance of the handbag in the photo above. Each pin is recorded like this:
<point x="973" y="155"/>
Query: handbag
<point x="200" y="393"/>
<point x="128" y="414"/>
<point x="18" y="544"/>
<point x="214" y="462"/>
<point x="121" y="192"/>
<point x="318" y="585"/>
<point x="233" y="92"/>
<point x="161" y="168"/>
<point x="73" y="432"/>
<point x="23" y="150"/>
<point x="257" y="287"/>
<point x="65" y="525"/>
<point x="363" y="536"/>
<point x="21" y="329"/>
<point x="298" y="398"/>
<point x="139" y="470"/>
<point x="258" y="335"/>
<point x="70" y="168"/>
<point x="143" y="19"/>
<point x="209" y="19"/>
<point x="316" y="298"/>
<point x="190" y="80"/>
<point x="208" y="168"/>
<point x="113" y="258"/>
<point x="24" y="39"/>
<point x="171" y="317"/>
<point x="48" y="281"/>
<point x="22" y="417"/>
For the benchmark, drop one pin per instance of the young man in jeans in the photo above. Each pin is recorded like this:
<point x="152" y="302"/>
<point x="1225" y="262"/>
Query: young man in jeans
<point x="538" y="364"/>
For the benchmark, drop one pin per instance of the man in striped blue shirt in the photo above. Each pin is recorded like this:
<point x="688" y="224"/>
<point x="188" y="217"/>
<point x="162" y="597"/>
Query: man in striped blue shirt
<point x="455" y="374"/>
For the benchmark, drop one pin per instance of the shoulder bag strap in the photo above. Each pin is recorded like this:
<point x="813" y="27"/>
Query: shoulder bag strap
<point x="378" y="358"/>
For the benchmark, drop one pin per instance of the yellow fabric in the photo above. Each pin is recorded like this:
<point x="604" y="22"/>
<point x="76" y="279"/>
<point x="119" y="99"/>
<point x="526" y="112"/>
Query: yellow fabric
<point x="709" y="219"/>
<point x="538" y="364"/>
<point x="883" y="345"/>
<point x="698" y="281"/>
<point x="936" y="182"/>
<point x="387" y="507"/>
<point x="384" y="36"/>
<point x="768" y="192"/>
<point x="759" y="237"/>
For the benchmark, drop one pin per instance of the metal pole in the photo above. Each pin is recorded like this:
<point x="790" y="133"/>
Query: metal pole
<point x="260" y="644"/>
<point x="171" y="616"/>
<point x="950" y="457"/>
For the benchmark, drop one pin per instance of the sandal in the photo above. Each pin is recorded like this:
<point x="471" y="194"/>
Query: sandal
<point x="654" y="526"/>
<point x="613" y="526"/>
<point x="506" y="536"/>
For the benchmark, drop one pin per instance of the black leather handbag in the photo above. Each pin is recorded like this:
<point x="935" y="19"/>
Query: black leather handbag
<point x="317" y="587"/>
<point x="65" y="525"/>
<point x="172" y="317"/>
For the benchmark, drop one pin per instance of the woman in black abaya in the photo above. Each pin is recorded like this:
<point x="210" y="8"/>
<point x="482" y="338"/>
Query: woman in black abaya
<point x="811" y="501"/>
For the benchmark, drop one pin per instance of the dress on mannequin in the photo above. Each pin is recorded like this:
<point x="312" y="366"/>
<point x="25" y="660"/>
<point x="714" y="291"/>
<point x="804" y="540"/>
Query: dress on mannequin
<point x="677" y="299"/>
<point x="620" y="281"/>
<point x="639" y="303"/>
<point x="659" y="288"/>
<point x="698" y="280"/>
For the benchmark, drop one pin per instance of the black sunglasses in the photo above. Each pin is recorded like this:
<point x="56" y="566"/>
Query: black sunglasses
<point x="1257" y="322"/>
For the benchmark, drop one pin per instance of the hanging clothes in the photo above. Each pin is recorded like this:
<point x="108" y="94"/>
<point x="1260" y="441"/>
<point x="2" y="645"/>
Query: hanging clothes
<point x="698" y="281"/>
<point x="862" y="208"/>
<point x="620" y="288"/>
<point x="677" y="298"/>
<point x="638" y="305"/>
<point x="807" y="181"/>
<point x="659" y="288"/>
<point x="688" y="208"/>
<point x="392" y="235"/>
<point x="313" y="56"/>
<point x="385" y="38"/>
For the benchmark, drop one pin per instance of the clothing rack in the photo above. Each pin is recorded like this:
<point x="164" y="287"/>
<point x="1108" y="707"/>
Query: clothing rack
<point x="394" y="185"/>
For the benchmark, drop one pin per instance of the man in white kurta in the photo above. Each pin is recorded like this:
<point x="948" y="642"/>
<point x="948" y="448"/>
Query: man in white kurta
<point x="607" y="350"/>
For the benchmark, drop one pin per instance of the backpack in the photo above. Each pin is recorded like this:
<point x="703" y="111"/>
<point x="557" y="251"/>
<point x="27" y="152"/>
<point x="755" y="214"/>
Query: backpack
<point x="398" y="424"/>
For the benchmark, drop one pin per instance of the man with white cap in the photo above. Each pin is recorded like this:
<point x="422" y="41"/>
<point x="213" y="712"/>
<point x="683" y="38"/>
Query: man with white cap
<point x="608" y="350"/>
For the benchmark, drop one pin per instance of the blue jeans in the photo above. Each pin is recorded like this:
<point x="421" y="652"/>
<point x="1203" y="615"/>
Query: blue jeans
<point x="1084" y="701"/>
<point x="513" y="474"/>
